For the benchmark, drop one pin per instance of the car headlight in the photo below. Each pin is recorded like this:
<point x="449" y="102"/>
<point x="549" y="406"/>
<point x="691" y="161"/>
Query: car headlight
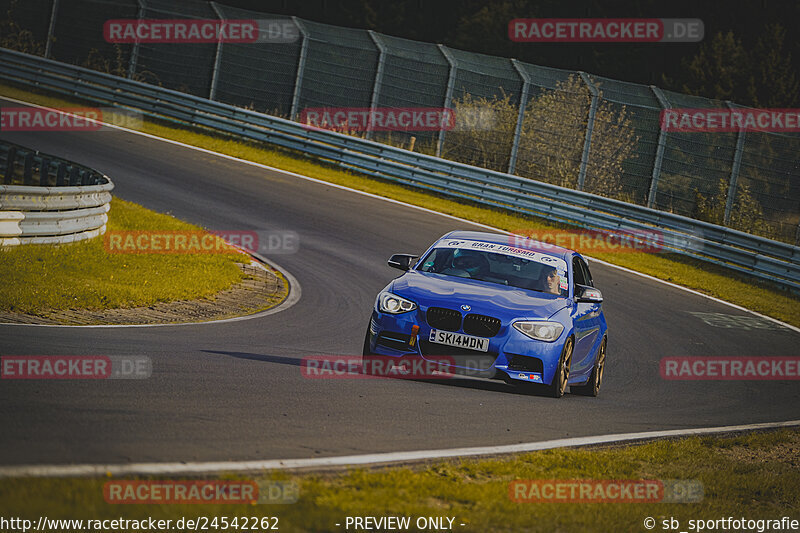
<point x="543" y="330"/>
<point x="393" y="304"/>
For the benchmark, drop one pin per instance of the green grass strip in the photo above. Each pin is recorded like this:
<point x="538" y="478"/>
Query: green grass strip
<point x="38" y="278"/>
<point x="754" y="476"/>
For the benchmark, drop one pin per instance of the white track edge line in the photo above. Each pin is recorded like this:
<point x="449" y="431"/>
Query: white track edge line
<point x="424" y="209"/>
<point x="84" y="470"/>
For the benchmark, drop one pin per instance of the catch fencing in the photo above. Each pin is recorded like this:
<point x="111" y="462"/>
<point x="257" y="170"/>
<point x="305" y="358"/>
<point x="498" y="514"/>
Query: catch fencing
<point x="571" y="129"/>
<point x="757" y="256"/>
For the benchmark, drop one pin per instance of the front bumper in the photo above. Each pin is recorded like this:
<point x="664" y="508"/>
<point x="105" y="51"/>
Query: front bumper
<point x="511" y="355"/>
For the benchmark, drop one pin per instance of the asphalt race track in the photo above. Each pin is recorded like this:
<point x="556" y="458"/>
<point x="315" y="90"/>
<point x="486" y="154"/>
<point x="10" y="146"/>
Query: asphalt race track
<point x="234" y="391"/>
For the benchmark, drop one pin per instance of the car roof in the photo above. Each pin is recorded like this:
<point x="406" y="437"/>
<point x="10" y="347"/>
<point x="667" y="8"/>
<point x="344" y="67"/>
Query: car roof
<point x="519" y="241"/>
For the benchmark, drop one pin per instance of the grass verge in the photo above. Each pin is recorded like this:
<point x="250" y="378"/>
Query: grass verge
<point x="703" y="277"/>
<point x="40" y="278"/>
<point x="754" y="476"/>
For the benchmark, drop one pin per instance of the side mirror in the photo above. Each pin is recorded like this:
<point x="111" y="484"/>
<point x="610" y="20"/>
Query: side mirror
<point x="402" y="261"/>
<point x="586" y="294"/>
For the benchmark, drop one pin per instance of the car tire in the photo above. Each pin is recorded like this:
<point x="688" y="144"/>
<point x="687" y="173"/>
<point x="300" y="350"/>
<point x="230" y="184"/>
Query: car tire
<point x="558" y="386"/>
<point x="366" y="350"/>
<point x="370" y="362"/>
<point x="592" y="387"/>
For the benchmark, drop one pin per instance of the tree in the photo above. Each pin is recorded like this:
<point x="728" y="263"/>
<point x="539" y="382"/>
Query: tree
<point x="483" y="132"/>
<point x="553" y="135"/>
<point x="720" y="70"/>
<point x="776" y="82"/>
<point x="14" y="37"/>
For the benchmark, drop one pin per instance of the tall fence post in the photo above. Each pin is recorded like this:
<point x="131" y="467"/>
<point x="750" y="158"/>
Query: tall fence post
<point x="135" y="49"/>
<point x="376" y="87"/>
<point x="523" y="100"/>
<point x="301" y="67"/>
<point x="587" y="142"/>
<point x="212" y="93"/>
<point x="51" y="30"/>
<point x="448" y="97"/>
<point x="737" y="163"/>
<point x="662" y="144"/>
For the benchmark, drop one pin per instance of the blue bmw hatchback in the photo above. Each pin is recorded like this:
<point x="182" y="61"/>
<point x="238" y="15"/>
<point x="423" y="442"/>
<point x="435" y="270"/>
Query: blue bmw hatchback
<point x="476" y="305"/>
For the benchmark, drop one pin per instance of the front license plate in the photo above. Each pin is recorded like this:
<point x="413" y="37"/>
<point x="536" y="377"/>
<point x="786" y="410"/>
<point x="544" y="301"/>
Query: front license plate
<point x="459" y="340"/>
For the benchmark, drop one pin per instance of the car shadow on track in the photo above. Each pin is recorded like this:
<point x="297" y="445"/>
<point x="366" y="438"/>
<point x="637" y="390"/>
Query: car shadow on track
<point x="277" y="359"/>
<point x="486" y="385"/>
<point x="490" y="385"/>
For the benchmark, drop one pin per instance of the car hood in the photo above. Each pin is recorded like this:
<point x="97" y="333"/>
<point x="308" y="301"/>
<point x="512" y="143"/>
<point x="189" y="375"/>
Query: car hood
<point x="484" y="297"/>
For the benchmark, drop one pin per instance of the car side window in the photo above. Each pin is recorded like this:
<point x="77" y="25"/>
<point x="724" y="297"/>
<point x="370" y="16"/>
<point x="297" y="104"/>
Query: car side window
<point x="578" y="275"/>
<point x="586" y="273"/>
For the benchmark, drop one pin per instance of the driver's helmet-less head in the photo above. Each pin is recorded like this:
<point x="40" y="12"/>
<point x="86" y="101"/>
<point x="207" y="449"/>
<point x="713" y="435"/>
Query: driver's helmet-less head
<point x="550" y="279"/>
<point x="473" y="262"/>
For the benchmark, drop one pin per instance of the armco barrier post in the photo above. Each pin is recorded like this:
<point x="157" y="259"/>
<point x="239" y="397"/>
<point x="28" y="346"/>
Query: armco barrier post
<point x="737" y="163"/>
<point x="61" y="175"/>
<point x="523" y="100"/>
<point x="11" y="156"/>
<point x="662" y="144"/>
<point x="44" y="172"/>
<point x="587" y="143"/>
<point x="27" y="172"/>
<point x="448" y="97"/>
<point x="217" y="57"/>
<point x="51" y="28"/>
<point x="376" y="87"/>
<point x="301" y="67"/>
<point x="135" y="49"/>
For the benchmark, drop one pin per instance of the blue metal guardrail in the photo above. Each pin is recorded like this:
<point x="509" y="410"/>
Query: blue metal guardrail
<point x="760" y="257"/>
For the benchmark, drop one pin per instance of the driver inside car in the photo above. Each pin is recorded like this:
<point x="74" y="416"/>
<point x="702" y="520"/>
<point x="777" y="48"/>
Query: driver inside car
<point x="551" y="281"/>
<point x="468" y="264"/>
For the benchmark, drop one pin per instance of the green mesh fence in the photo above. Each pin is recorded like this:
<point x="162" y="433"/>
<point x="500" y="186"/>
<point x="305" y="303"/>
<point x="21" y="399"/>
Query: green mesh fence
<point x="259" y="76"/>
<point x="26" y="24"/>
<point x="631" y="112"/>
<point x="486" y="93"/>
<point x="78" y="34"/>
<point x="183" y="67"/>
<point x="566" y="128"/>
<point x="551" y="140"/>
<point x="340" y="67"/>
<point x="405" y="60"/>
<point x="694" y="165"/>
<point x="767" y="199"/>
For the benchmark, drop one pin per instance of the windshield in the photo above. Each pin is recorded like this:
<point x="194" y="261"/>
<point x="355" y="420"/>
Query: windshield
<point x="497" y="263"/>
